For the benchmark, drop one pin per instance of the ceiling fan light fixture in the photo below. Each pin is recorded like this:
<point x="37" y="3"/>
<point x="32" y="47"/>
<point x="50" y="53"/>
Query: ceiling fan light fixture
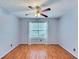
<point x="37" y="14"/>
<point x="37" y="11"/>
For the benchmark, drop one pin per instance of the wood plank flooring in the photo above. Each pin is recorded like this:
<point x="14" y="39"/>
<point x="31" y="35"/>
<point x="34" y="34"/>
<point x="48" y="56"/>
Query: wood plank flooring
<point x="38" y="52"/>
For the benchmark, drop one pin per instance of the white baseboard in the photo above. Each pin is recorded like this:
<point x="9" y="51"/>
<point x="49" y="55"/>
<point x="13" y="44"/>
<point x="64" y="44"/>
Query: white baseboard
<point x="68" y="50"/>
<point x="8" y="51"/>
<point x="39" y="43"/>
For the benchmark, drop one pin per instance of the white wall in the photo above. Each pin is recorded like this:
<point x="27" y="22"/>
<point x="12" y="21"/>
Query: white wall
<point x="8" y="32"/>
<point x="68" y="31"/>
<point x="51" y="32"/>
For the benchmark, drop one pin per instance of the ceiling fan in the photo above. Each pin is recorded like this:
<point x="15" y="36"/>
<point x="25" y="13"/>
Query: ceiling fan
<point x="38" y="11"/>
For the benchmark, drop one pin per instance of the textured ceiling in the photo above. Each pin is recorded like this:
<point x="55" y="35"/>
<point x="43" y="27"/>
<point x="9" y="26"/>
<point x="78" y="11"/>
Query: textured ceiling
<point x="20" y="7"/>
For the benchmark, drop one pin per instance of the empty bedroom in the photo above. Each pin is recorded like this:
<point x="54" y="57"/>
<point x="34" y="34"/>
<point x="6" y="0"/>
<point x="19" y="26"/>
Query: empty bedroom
<point x="38" y="29"/>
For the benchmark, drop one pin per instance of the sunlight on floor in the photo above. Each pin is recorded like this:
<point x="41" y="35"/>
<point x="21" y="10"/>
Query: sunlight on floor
<point x="41" y="54"/>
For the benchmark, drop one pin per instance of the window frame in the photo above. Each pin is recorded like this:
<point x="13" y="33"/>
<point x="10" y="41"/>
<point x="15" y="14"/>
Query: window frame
<point x="38" y="30"/>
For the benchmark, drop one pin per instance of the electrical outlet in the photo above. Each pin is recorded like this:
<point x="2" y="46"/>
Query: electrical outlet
<point x="11" y="45"/>
<point x="74" y="49"/>
<point x="41" y="40"/>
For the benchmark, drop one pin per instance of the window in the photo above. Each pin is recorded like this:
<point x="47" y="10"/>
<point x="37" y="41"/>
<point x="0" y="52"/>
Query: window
<point x="38" y="30"/>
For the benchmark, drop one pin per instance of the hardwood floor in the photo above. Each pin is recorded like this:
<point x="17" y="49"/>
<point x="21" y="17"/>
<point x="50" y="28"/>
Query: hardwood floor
<point x="39" y="52"/>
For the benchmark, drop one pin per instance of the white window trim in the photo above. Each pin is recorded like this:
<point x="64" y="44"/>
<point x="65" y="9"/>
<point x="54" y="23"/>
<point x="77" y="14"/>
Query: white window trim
<point x="29" y="40"/>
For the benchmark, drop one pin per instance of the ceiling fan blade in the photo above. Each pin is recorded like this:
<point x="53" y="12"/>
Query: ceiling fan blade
<point x="30" y="7"/>
<point x="28" y="13"/>
<point x="48" y="9"/>
<point x="44" y="15"/>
